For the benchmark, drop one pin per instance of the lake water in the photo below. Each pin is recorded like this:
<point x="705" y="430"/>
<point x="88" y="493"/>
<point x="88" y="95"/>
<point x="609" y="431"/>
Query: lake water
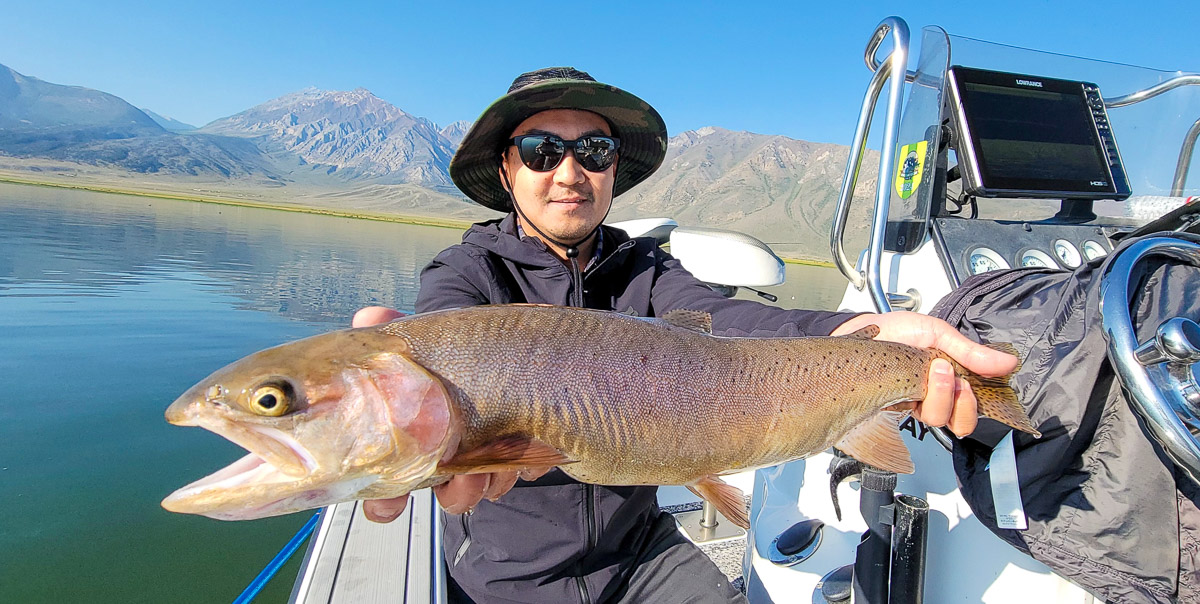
<point x="110" y="307"/>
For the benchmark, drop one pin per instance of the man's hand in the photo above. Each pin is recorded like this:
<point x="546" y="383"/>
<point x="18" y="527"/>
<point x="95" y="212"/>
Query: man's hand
<point x="948" y="399"/>
<point x="461" y="493"/>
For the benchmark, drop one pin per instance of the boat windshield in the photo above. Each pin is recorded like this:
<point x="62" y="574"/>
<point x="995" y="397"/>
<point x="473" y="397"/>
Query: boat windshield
<point x="1155" y="136"/>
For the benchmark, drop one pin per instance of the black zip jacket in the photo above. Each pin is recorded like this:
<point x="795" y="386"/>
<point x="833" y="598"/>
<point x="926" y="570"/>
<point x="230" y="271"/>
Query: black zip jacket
<point x="555" y="539"/>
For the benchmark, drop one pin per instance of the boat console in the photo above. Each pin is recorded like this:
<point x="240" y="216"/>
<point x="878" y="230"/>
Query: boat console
<point x="992" y="157"/>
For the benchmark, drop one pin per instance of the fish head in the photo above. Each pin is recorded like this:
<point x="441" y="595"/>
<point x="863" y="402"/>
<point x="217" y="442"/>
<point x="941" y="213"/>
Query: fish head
<point x="323" y="419"/>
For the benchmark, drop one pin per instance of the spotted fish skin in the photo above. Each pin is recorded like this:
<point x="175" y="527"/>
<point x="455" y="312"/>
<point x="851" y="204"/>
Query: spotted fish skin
<point x="642" y="402"/>
<point x="622" y="400"/>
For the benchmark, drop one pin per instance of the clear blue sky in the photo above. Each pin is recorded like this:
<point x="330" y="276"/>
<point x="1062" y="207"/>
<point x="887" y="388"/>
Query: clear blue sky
<point x="776" y="68"/>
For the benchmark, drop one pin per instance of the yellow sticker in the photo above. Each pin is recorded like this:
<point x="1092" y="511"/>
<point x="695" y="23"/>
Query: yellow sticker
<point x="910" y="166"/>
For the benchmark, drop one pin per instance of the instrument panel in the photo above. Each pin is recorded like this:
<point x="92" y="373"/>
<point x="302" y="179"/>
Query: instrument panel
<point x="988" y="245"/>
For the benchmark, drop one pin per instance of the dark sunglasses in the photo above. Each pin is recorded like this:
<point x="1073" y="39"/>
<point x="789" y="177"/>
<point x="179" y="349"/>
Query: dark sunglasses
<point x="543" y="152"/>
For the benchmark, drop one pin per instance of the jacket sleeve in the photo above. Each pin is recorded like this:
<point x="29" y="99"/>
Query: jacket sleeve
<point x="676" y="288"/>
<point x="445" y="282"/>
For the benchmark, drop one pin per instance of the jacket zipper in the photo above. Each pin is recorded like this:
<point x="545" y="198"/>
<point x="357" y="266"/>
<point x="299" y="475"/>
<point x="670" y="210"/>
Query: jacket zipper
<point x="590" y="508"/>
<point x="577" y="279"/>
<point x="619" y="248"/>
<point x="578" y="276"/>
<point x="462" y="549"/>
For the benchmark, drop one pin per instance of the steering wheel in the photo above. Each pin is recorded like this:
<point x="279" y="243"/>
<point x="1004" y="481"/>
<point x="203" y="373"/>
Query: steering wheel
<point x="1158" y="375"/>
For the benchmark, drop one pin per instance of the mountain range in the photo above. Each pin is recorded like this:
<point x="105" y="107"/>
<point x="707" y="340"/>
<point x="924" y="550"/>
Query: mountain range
<point x="353" y="150"/>
<point x="349" y="135"/>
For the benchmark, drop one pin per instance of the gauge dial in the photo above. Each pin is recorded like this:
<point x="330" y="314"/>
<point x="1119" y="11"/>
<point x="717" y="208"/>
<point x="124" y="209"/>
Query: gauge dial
<point x="984" y="259"/>
<point x="1067" y="253"/>
<point x="1037" y="258"/>
<point x="1093" y="250"/>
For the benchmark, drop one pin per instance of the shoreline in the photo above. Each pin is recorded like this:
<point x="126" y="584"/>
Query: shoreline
<point x="445" y="223"/>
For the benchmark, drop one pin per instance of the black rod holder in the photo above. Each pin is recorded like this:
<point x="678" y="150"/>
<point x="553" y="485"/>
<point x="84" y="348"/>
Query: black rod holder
<point x="909" y="539"/>
<point x="872" y="564"/>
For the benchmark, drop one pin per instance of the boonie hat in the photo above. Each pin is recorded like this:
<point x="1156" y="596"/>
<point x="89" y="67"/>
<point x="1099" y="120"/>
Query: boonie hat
<point x="475" y="166"/>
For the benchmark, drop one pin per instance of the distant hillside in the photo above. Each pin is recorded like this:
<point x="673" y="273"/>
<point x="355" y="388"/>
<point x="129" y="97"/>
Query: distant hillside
<point x="75" y="124"/>
<point x="36" y="108"/>
<point x="350" y="135"/>
<point x="353" y="150"/>
<point x="168" y="123"/>
<point x="778" y="189"/>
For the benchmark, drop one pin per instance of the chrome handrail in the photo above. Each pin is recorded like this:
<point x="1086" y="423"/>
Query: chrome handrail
<point x="895" y="64"/>
<point x="1190" y="79"/>
<point x="873" y="47"/>
<point x="1183" y="165"/>
<point x="858" y="146"/>
<point x="1185" y="160"/>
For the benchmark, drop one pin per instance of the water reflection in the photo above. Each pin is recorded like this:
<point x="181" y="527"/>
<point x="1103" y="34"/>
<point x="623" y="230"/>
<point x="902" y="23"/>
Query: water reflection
<point x="304" y="267"/>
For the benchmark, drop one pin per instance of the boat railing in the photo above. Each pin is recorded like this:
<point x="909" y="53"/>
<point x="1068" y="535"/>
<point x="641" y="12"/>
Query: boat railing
<point x="1189" y="140"/>
<point x="892" y="69"/>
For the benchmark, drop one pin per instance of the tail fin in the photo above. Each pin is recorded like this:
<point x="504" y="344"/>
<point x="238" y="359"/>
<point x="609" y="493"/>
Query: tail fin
<point x="995" y="395"/>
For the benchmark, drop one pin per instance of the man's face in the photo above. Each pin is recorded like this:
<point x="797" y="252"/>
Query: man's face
<point x="567" y="202"/>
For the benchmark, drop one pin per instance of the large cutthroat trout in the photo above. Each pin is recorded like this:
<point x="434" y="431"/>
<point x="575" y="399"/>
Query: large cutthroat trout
<point x="380" y="411"/>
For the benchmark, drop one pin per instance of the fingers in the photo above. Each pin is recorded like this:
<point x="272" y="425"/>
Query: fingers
<point x="462" y="493"/>
<point x="938" y="405"/>
<point x="384" y="510"/>
<point x="966" y="410"/>
<point x="975" y="357"/>
<point x="374" y="315"/>
<point x="532" y="474"/>
<point x="500" y="483"/>
<point x="948" y="401"/>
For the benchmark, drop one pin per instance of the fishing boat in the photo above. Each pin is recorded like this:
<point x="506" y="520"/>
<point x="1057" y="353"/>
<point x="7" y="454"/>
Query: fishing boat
<point x="979" y="173"/>
<point x="957" y="196"/>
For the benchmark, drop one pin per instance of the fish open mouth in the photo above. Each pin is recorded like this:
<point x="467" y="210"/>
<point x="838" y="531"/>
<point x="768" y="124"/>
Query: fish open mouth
<point x="276" y="467"/>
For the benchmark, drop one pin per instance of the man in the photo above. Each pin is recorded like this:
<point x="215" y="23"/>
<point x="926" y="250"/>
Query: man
<point x="552" y="154"/>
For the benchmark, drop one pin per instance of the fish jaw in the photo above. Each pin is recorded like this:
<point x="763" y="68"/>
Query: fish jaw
<point x="250" y="488"/>
<point x="380" y="424"/>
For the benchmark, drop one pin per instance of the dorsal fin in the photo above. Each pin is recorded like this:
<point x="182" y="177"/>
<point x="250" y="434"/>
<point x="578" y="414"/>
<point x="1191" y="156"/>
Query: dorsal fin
<point x="867" y="333"/>
<point x="694" y="320"/>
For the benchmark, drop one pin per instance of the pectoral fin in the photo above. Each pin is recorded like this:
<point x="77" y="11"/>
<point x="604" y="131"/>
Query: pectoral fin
<point x="507" y="454"/>
<point x="877" y="442"/>
<point x="727" y="498"/>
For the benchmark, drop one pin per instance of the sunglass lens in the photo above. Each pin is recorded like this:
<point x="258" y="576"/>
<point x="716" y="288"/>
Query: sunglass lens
<point x="541" y="153"/>
<point x="595" y="154"/>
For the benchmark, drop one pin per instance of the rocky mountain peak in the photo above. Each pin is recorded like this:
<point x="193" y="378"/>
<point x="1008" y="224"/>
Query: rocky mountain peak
<point x="352" y="134"/>
<point x="456" y="131"/>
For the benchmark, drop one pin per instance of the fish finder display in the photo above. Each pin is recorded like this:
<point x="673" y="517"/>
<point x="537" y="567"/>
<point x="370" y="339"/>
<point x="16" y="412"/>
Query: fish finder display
<point x="1029" y="136"/>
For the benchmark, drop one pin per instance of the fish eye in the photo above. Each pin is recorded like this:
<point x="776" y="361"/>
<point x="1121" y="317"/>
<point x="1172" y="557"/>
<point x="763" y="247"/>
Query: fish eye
<point x="271" y="399"/>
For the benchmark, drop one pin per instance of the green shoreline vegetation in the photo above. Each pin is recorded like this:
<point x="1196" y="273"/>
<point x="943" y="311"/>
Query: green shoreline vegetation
<point x="445" y="223"/>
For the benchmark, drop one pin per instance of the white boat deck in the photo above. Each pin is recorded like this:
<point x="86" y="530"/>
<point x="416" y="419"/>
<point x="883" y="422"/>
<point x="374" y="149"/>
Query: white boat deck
<point x="353" y="560"/>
